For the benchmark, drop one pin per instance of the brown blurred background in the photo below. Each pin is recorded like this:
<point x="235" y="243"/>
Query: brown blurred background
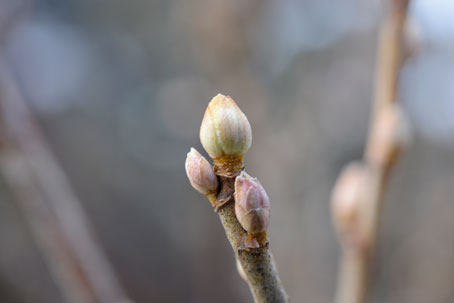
<point x="120" y="88"/>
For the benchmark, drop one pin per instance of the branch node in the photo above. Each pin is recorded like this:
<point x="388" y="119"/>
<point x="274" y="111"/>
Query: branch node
<point x="228" y="166"/>
<point x="226" y="193"/>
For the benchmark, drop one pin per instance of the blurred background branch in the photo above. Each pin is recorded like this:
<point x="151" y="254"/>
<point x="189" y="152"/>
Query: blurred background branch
<point x="48" y="203"/>
<point x="357" y="215"/>
<point x="52" y="210"/>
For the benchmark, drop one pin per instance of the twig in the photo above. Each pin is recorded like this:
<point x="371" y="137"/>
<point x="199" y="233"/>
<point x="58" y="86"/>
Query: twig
<point x="357" y="228"/>
<point x="358" y="232"/>
<point x="257" y="263"/>
<point x="389" y="56"/>
<point x="55" y="214"/>
<point x="353" y="276"/>
<point x="240" y="200"/>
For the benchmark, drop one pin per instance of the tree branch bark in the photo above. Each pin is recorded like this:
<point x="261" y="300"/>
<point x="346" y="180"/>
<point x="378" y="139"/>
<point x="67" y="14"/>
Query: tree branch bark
<point x="257" y="263"/>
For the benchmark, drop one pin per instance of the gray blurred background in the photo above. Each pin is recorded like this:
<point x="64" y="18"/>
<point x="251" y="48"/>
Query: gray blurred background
<point x="120" y="88"/>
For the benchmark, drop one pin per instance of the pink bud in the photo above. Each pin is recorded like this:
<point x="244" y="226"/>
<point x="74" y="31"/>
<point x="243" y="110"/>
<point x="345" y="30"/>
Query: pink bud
<point x="200" y="173"/>
<point x="252" y="205"/>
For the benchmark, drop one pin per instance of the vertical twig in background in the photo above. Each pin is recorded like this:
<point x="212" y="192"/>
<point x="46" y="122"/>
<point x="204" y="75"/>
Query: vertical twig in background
<point x="55" y="214"/>
<point x="389" y="56"/>
<point x="358" y="194"/>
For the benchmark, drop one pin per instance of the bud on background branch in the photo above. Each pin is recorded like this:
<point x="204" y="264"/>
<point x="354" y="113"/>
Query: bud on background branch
<point x="390" y="135"/>
<point x="349" y="203"/>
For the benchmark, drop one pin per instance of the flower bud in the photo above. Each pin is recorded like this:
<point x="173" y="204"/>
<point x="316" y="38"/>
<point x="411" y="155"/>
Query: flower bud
<point x="225" y="130"/>
<point x="200" y="173"/>
<point x="252" y="205"/>
<point x="390" y="134"/>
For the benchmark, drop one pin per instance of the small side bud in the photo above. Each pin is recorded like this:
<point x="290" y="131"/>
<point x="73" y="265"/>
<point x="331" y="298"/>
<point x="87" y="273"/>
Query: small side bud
<point x="390" y="135"/>
<point x="200" y="173"/>
<point x="225" y="132"/>
<point x="252" y="205"/>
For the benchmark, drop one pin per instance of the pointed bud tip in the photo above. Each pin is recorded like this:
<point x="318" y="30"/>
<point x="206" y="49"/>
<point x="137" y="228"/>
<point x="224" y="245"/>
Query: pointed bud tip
<point x="192" y="150"/>
<point x="244" y="176"/>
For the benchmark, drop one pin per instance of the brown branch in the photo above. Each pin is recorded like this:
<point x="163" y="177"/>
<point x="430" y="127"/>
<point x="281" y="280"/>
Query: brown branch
<point x="353" y="276"/>
<point x="257" y="263"/>
<point x="55" y="215"/>
<point x="358" y="240"/>
<point x="381" y="152"/>
<point x="389" y="56"/>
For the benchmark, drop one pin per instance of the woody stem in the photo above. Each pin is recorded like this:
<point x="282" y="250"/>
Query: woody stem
<point x="258" y="265"/>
